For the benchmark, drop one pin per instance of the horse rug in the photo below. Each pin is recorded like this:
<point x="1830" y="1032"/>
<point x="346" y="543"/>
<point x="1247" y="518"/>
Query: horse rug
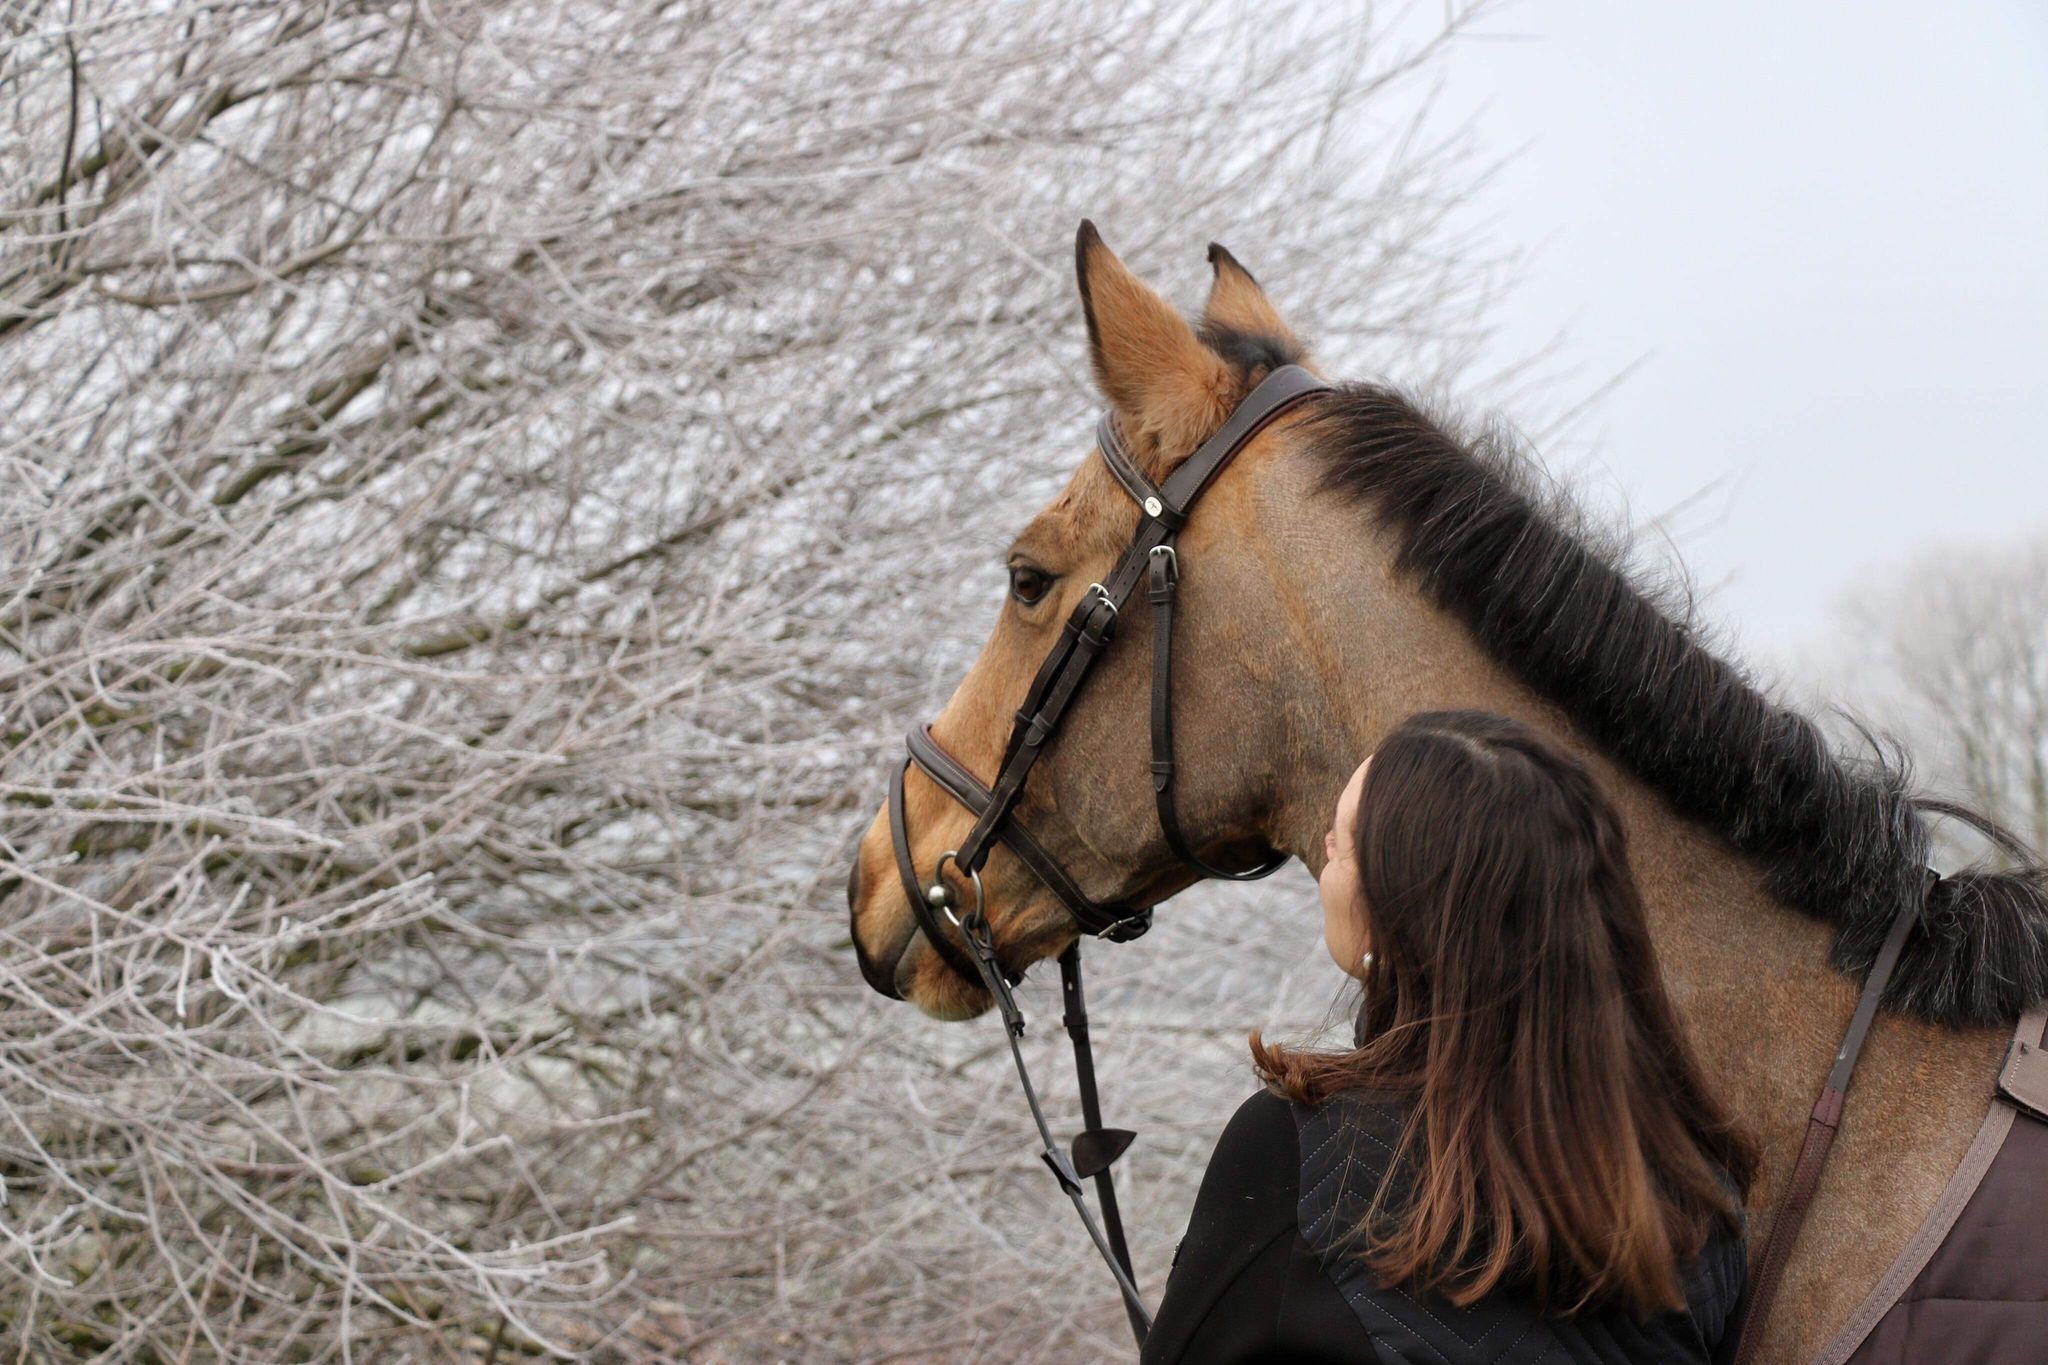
<point x="1972" y="1283"/>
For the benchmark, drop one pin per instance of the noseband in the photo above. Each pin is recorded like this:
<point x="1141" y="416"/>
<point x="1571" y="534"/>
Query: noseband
<point x="1162" y="512"/>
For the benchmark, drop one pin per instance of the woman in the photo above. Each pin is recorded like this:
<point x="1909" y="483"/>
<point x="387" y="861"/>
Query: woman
<point x="1519" y="1159"/>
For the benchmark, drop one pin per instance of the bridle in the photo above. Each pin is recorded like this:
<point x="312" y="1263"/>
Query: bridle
<point x="1163" y="511"/>
<point x="1152" y="555"/>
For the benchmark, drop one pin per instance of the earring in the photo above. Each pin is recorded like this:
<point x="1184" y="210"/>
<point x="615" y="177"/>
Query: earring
<point x="1365" y="962"/>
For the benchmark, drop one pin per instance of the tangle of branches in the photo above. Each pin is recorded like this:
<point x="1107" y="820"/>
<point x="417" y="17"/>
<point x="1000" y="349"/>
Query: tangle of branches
<point x="468" y="474"/>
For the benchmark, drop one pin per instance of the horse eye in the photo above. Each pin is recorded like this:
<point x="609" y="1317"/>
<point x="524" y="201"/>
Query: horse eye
<point x="1027" y="584"/>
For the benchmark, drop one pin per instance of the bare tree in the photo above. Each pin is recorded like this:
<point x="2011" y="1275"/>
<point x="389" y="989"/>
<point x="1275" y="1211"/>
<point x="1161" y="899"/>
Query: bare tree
<point x="471" y="471"/>
<point x="1953" y="648"/>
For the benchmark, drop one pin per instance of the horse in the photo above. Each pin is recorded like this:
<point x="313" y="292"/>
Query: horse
<point x="1364" y="557"/>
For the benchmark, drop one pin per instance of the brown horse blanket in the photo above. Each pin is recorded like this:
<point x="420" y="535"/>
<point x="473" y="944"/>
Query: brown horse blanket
<point x="1972" y="1285"/>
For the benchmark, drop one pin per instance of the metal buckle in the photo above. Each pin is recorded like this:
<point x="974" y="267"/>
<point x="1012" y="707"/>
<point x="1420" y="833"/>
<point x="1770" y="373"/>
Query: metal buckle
<point x="1103" y="593"/>
<point x="1128" y="928"/>
<point x="1172" y="559"/>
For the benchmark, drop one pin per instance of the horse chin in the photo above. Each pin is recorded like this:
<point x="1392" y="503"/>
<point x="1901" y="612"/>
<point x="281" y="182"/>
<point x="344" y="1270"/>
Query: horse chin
<point x="957" y="1010"/>
<point x="924" y="979"/>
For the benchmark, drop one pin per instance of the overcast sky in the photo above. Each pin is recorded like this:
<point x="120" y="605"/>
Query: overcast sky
<point x="1821" y="228"/>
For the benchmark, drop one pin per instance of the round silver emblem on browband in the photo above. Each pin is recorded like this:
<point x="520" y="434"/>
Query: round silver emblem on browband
<point x="1153" y="507"/>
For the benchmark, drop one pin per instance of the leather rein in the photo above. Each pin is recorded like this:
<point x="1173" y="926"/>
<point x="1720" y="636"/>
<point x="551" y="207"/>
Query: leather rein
<point x="1162" y="512"/>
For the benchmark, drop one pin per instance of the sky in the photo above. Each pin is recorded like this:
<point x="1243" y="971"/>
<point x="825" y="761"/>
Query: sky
<point x="1820" y="235"/>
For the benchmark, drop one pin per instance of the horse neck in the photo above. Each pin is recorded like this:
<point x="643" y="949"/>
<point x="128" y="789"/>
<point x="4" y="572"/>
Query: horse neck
<point x="1748" y="972"/>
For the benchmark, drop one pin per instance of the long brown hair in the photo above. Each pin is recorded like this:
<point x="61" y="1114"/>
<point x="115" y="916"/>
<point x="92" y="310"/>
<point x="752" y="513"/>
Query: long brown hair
<point x="1567" y="1143"/>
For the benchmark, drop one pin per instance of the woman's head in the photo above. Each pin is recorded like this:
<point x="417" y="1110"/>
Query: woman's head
<point x="1459" y="812"/>
<point x="1477" y="884"/>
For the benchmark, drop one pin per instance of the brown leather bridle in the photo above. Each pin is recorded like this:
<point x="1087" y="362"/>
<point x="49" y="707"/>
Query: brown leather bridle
<point x="1162" y="512"/>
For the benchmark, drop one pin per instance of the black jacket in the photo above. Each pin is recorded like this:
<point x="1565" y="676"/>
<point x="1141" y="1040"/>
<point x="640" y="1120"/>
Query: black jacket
<point x="1258" y="1276"/>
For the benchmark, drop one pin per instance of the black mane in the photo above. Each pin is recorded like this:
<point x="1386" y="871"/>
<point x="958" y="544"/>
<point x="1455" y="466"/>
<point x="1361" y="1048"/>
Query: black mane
<point x="1843" y="838"/>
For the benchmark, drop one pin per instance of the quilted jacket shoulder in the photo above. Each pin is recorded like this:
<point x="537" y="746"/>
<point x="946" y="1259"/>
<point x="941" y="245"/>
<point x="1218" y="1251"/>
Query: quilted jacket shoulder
<point x="1347" y="1145"/>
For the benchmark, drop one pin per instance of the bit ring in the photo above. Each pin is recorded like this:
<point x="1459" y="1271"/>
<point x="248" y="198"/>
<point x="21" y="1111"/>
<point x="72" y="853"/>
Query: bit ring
<point x="941" y="895"/>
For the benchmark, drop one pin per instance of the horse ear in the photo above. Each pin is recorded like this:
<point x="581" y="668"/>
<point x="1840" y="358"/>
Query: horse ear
<point x="1239" y="312"/>
<point x="1148" y="361"/>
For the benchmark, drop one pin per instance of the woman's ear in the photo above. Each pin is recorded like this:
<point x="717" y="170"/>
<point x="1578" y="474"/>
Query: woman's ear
<point x="1169" y="389"/>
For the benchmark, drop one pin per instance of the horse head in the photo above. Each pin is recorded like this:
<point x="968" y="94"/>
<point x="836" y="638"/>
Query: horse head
<point x="1087" y="808"/>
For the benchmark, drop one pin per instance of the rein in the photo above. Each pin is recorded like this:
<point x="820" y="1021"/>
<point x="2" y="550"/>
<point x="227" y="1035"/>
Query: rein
<point x="1162" y="512"/>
